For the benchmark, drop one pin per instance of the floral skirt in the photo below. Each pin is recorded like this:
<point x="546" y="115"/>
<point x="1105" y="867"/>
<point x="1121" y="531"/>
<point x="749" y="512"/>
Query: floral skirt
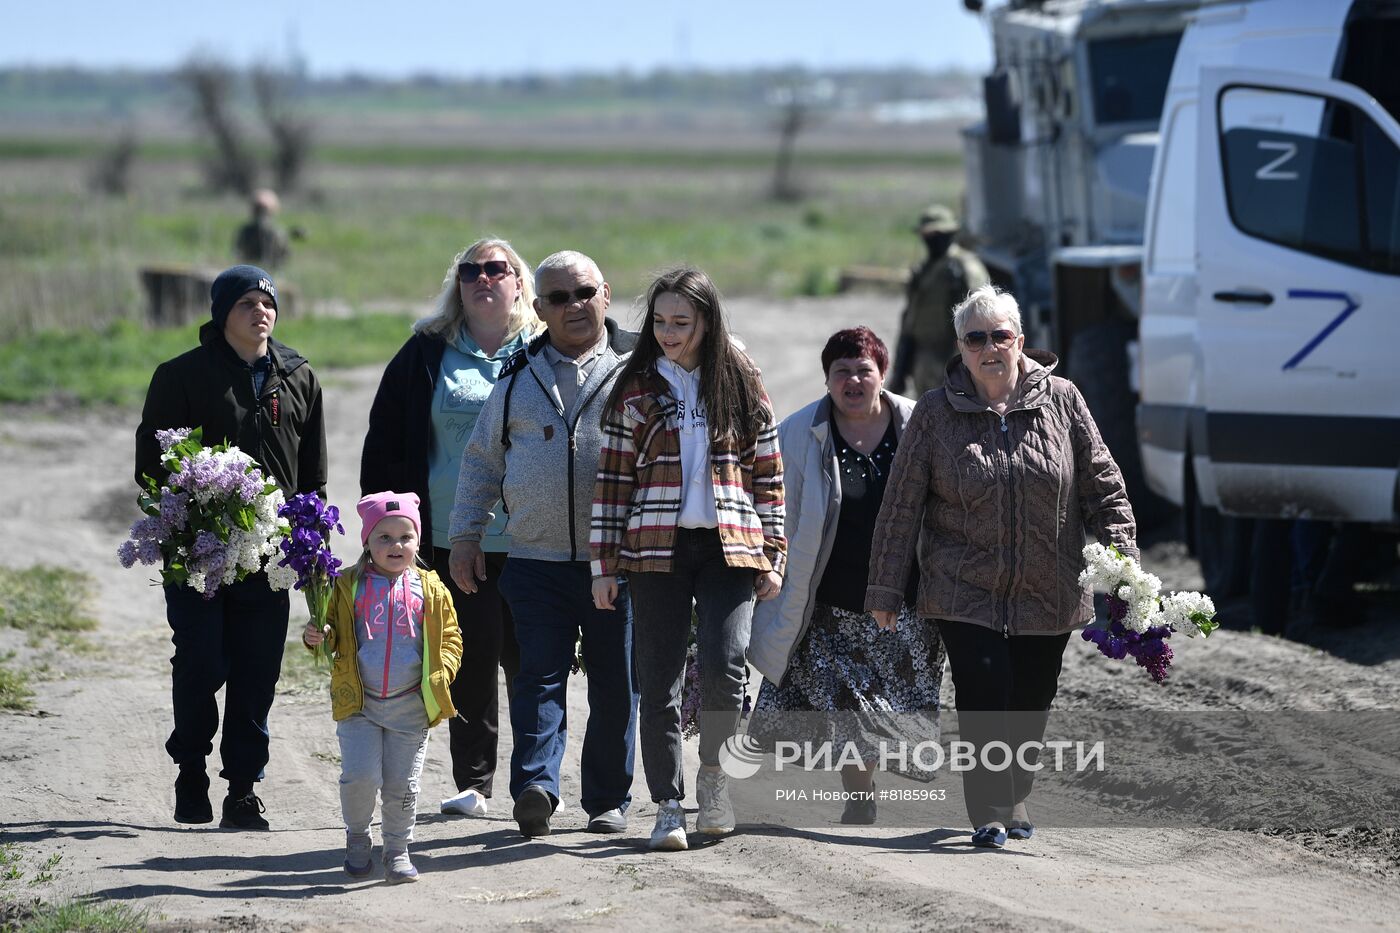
<point x="872" y="686"/>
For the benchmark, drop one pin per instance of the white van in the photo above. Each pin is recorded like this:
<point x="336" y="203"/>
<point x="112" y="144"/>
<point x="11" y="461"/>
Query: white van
<point x="1270" y="333"/>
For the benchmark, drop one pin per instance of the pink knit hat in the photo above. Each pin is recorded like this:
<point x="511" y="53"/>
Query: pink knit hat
<point x="375" y="508"/>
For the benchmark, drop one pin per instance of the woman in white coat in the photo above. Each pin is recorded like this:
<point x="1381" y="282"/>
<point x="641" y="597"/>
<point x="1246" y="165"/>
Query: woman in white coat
<point x="817" y="648"/>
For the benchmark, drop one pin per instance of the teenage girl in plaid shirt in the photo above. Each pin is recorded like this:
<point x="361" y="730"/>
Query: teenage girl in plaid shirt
<point x="689" y="505"/>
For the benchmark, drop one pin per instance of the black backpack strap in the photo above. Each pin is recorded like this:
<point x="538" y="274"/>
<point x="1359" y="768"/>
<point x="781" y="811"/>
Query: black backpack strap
<point x="514" y="364"/>
<point x="505" y="416"/>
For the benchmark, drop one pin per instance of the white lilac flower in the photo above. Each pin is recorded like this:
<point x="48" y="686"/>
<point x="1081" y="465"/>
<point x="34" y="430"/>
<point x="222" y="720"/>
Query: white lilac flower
<point x="1179" y="609"/>
<point x="280" y="578"/>
<point x="1103" y="568"/>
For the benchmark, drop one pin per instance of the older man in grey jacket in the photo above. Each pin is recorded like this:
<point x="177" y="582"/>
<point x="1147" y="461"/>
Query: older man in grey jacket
<point x="535" y="448"/>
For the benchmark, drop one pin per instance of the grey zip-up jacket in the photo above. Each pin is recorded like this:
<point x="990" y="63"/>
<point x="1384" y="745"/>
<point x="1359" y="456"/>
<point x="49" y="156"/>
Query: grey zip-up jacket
<point x="539" y="461"/>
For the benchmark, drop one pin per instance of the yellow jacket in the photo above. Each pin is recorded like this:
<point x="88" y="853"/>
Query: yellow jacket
<point x="442" y="648"/>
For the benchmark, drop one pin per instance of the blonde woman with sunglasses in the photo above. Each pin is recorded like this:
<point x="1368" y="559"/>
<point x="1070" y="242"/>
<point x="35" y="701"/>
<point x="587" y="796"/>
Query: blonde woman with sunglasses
<point x="1000" y="475"/>
<point x="427" y="404"/>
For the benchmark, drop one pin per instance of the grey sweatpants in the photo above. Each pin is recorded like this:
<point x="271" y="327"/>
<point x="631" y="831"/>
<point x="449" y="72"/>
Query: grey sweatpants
<point x="381" y="752"/>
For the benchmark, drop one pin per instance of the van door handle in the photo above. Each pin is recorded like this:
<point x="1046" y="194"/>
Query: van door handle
<point x="1246" y="298"/>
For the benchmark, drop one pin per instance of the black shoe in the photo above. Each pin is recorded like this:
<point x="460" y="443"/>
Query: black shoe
<point x="989" y="837"/>
<point x="1020" y="829"/>
<point x="533" y="809"/>
<point x="859" y="811"/>
<point x="243" y="813"/>
<point x="192" y="797"/>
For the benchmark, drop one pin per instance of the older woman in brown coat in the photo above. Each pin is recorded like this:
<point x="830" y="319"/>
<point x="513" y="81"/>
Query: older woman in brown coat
<point x="1000" y="475"/>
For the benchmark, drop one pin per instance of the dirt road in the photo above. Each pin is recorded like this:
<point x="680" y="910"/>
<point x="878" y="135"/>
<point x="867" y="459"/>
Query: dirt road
<point x="88" y="778"/>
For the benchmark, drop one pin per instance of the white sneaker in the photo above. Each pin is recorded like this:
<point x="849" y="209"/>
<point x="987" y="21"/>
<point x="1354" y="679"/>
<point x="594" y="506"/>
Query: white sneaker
<point x="467" y="803"/>
<point x="669" y="832"/>
<point x="716" y="812"/>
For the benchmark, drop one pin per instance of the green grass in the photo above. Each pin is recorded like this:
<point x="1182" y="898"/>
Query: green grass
<point x="114" y="366"/>
<point x="15" y="696"/>
<point x="428" y="155"/>
<point x="86" y="916"/>
<point x="384" y="222"/>
<point x="45" y="599"/>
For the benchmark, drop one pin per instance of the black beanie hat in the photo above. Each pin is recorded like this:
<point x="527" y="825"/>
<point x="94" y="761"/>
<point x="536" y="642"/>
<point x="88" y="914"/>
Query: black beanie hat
<point x="231" y="285"/>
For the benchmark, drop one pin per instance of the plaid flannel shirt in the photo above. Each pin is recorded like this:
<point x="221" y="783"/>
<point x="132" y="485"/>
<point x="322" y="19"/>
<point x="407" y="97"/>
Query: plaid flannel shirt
<point x="637" y="499"/>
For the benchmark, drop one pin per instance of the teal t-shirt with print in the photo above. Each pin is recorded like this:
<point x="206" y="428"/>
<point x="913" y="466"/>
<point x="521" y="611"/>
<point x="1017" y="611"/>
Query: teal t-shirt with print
<point x="465" y="380"/>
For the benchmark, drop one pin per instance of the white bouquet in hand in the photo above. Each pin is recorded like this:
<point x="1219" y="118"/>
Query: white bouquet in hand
<point x="1140" y="619"/>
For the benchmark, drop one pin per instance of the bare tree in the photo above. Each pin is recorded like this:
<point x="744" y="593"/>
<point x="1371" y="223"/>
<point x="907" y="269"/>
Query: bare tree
<point x="231" y="166"/>
<point x="112" y="173"/>
<point x="291" y="131"/>
<point x="795" y="117"/>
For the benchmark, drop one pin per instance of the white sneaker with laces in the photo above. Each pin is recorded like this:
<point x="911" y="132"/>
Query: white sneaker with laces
<point x="712" y="793"/>
<point x="669" y="832"/>
<point x="467" y="803"/>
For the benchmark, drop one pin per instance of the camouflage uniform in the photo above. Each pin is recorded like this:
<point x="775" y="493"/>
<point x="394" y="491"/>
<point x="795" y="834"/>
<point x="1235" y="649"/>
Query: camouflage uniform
<point x="261" y="242"/>
<point x="926" y="337"/>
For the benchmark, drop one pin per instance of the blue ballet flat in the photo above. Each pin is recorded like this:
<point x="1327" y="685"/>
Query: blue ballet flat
<point x="989" y="837"/>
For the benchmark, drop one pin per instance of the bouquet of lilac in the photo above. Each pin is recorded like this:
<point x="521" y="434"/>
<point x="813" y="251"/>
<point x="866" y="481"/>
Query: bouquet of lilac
<point x="307" y="562"/>
<point x="214" y="520"/>
<point x="1140" y="619"/>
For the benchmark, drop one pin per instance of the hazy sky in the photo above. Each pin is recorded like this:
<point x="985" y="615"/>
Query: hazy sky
<point x="404" y="37"/>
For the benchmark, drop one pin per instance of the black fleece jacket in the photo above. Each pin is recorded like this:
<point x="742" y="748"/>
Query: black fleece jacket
<point x="396" y="448"/>
<point x="210" y="387"/>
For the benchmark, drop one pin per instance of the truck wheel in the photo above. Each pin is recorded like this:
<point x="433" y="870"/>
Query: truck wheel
<point x="1098" y="364"/>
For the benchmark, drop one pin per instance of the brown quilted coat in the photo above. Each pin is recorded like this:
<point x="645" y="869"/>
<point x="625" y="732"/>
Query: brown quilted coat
<point x="999" y="506"/>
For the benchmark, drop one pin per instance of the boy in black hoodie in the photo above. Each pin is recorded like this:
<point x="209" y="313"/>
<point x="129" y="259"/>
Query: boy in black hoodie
<point x="245" y="388"/>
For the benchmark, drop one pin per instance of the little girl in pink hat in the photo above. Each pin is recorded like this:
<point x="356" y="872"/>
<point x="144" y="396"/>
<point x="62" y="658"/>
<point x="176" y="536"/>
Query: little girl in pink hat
<point x="396" y="647"/>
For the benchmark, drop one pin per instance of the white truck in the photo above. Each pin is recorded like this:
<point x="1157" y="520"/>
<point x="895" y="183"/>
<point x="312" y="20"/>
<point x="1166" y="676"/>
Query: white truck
<point x="1270" y="311"/>
<point x="1058" y="178"/>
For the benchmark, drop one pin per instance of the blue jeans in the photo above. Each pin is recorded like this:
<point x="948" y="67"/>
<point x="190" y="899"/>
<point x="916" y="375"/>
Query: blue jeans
<point x="723" y="597"/>
<point x="236" y="638"/>
<point x="552" y="602"/>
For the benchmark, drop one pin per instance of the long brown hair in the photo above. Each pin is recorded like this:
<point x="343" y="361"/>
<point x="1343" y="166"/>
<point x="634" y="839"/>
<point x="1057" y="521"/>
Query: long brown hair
<point x="729" y="381"/>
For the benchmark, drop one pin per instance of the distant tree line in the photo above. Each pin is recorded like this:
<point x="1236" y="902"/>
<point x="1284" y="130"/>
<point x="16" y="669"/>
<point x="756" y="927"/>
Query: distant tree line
<point x="115" y="92"/>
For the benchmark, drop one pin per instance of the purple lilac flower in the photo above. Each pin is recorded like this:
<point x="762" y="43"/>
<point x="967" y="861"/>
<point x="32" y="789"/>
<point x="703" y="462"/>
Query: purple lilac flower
<point x="150" y="528"/>
<point x="1149" y="649"/>
<point x="148" y="551"/>
<point x="126" y="553"/>
<point x="249" y="485"/>
<point x="174" y="508"/>
<point x="205" y="543"/>
<point x="1117" y="609"/>
<point x="168" y="439"/>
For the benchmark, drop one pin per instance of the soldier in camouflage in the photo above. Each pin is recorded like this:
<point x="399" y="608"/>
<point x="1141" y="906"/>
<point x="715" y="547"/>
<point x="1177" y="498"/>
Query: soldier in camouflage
<point x="926" y="336"/>
<point x="261" y="241"/>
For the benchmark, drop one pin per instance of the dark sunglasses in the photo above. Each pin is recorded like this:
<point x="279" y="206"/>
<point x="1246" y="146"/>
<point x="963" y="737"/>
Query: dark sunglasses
<point x="494" y="269"/>
<point x="561" y="297"/>
<point x="975" y="340"/>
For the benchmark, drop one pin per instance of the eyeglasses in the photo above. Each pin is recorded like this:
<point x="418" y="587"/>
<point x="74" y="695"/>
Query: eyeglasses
<point x="975" y="340"/>
<point x="494" y="269"/>
<point x="582" y="293"/>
